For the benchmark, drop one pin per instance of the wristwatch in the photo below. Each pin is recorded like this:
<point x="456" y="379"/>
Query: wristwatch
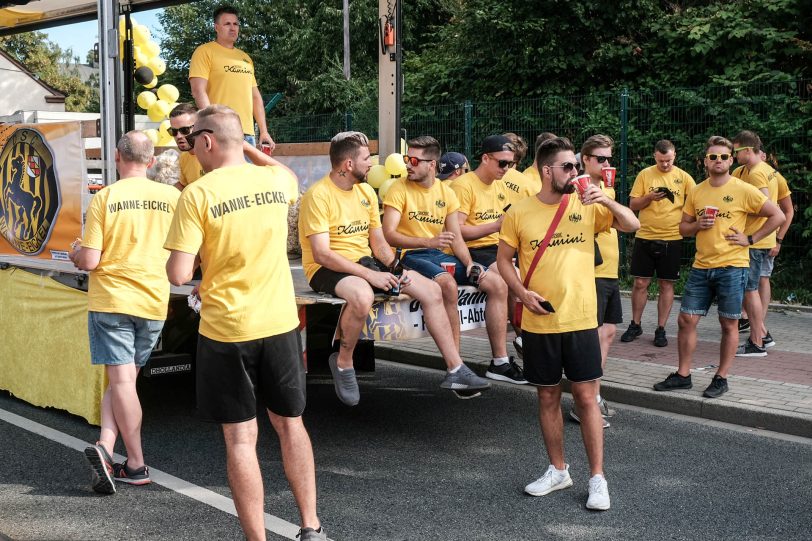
<point x="750" y="239"/>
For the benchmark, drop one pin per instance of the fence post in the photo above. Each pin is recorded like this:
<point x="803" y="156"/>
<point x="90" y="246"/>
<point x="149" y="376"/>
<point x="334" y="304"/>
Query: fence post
<point x="348" y="121"/>
<point x="624" y="156"/>
<point x="468" y="110"/>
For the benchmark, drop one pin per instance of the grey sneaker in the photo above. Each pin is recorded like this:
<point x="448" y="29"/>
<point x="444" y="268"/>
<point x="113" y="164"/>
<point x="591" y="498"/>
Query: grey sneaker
<point x="606" y="411"/>
<point x="309" y="534"/>
<point x="574" y="417"/>
<point x="551" y="481"/>
<point x="344" y="382"/>
<point x="598" y="494"/>
<point x="101" y="465"/>
<point x="464" y="379"/>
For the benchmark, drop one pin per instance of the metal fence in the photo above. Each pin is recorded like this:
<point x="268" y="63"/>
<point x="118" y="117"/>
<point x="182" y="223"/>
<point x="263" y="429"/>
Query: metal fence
<point x="780" y="112"/>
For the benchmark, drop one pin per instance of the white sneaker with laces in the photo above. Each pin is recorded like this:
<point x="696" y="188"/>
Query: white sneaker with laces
<point x="551" y="481"/>
<point x="598" y="494"/>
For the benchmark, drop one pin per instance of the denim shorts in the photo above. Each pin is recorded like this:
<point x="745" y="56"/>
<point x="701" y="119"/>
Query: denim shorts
<point x="767" y="266"/>
<point x="120" y="338"/>
<point x="726" y="285"/>
<point x="427" y="261"/>
<point x="757" y="257"/>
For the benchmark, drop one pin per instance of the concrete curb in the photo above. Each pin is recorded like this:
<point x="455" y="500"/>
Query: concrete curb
<point x="758" y="417"/>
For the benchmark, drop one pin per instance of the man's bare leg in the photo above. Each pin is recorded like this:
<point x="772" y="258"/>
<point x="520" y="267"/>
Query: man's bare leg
<point x="359" y="296"/>
<point x="639" y="298"/>
<point x="122" y="399"/>
<point x="244" y="477"/>
<point x="765" y="294"/>
<point x="728" y="345"/>
<point x="665" y="301"/>
<point x="686" y="342"/>
<point x="448" y="287"/>
<point x="752" y="301"/>
<point x="552" y="424"/>
<point x="431" y="297"/>
<point x="495" y="311"/>
<point x="585" y="394"/>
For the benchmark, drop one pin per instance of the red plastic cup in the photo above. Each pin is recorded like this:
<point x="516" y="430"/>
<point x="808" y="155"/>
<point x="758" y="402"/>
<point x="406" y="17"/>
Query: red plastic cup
<point x="266" y="149"/>
<point x="449" y="267"/>
<point x="609" y="174"/>
<point x="581" y="183"/>
<point x="710" y="212"/>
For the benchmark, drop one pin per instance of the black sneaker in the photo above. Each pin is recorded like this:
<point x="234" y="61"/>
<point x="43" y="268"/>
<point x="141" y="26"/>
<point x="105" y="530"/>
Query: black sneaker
<point x="509" y="372"/>
<point x="632" y="332"/>
<point x="768" y="341"/>
<point x="717" y="387"/>
<point x="101" y="466"/>
<point x="674" y="381"/>
<point x="138" y="476"/>
<point x="749" y="349"/>
<point x="659" y="338"/>
<point x="744" y="325"/>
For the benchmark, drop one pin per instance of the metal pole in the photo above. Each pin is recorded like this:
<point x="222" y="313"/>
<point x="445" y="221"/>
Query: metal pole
<point x="387" y="90"/>
<point x="109" y="85"/>
<point x="347" y="39"/>
<point x="468" y="115"/>
<point x="398" y="70"/>
<point x="624" y="147"/>
<point x="126" y="68"/>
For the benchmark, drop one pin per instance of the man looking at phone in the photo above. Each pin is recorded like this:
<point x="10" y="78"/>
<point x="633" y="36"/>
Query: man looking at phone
<point x="716" y="212"/>
<point x="559" y="325"/>
<point x="658" y="194"/>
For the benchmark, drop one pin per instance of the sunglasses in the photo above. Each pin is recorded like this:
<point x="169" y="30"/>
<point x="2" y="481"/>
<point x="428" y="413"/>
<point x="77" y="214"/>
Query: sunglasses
<point x="601" y="159"/>
<point x="736" y="150"/>
<point x="714" y="157"/>
<point x="185" y="130"/>
<point x="190" y="138"/>
<point x="503" y="164"/>
<point x="566" y="166"/>
<point x="414" y="161"/>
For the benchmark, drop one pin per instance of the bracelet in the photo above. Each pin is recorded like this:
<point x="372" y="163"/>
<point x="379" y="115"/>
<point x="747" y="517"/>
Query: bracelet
<point x="778" y="240"/>
<point x="750" y="239"/>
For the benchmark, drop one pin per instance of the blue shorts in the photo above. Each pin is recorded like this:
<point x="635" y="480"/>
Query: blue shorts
<point x="121" y="339"/>
<point x="726" y="285"/>
<point x="251" y="140"/>
<point x="757" y="257"/>
<point x="427" y="261"/>
<point x="767" y="266"/>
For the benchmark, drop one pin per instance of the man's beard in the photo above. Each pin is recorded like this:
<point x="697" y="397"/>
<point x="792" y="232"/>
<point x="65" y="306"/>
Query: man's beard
<point x="567" y="188"/>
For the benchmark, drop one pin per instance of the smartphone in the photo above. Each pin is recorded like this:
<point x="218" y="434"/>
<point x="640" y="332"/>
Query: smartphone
<point x="547" y="306"/>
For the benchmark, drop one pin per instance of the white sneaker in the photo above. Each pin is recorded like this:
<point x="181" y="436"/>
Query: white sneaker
<point x="551" y="481"/>
<point x="598" y="494"/>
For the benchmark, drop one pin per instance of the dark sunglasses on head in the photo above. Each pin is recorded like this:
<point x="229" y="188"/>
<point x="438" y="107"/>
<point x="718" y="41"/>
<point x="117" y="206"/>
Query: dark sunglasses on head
<point x="601" y="159"/>
<point x="414" y="161"/>
<point x="714" y="157"/>
<point x="184" y="130"/>
<point x="190" y="138"/>
<point x="567" y="166"/>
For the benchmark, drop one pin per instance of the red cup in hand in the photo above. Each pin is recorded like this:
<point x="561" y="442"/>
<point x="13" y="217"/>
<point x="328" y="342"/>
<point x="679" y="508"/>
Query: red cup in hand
<point x="609" y="174"/>
<point x="581" y="183"/>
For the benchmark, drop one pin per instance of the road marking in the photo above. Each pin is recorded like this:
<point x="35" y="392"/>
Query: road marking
<point x="203" y="495"/>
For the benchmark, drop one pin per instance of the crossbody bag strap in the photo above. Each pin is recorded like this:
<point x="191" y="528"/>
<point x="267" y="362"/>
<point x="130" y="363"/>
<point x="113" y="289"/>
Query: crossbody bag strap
<point x="562" y="206"/>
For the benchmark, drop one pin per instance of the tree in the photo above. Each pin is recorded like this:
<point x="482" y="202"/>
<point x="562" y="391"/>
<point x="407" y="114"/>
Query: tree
<point x="42" y="57"/>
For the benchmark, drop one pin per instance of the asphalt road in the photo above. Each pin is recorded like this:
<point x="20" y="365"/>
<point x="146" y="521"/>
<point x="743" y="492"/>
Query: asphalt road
<point x="412" y="462"/>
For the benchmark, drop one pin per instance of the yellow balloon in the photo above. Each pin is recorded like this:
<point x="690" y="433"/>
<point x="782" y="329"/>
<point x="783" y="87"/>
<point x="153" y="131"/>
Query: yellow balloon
<point x="168" y="93"/>
<point x="158" y="111"/>
<point x="145" y="99"/>
<point x="153" y="83"/>
<point x="151" y="49"/>
<point x="163" y="129"/>
<point x="141" y="34"/>
<point x="153" y="135"/>
<point x="157" y="66"/>
<point x="377" y="175"/>
<point x="375" y="160"/>
<point x="385" y="187"/>
<point x="165" y="140"/>
<point x="140" y="57"/>
<point x="395" y="165"/>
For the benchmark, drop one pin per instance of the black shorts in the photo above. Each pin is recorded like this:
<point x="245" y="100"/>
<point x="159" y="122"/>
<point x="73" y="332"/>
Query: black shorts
<point x="326" y="280"/>
<point x="484" y="255"/>
<point x="660" y="256"/>
<point x="577" y="353"/>
<point x="609" y="308"/>
<point x="231" y="376"/>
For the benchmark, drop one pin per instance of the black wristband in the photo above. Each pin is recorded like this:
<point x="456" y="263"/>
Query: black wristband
<point x="750" y="239"/>
<point x="778" y="240"/>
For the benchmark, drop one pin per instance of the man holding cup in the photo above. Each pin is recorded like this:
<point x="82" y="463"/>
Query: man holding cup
<point x="421" y="216"/>
<point x="658" y="194"/>
<point x="716" y="212"/>
<point x="559" y="324"/>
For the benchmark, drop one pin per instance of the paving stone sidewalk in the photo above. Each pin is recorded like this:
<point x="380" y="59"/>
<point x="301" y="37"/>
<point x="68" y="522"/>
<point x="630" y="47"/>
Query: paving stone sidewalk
<point x="773" y="392"/>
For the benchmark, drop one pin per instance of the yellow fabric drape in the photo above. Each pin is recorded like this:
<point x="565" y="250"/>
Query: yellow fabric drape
<point x="11" y="17"/>
<point x="44" y="351"/>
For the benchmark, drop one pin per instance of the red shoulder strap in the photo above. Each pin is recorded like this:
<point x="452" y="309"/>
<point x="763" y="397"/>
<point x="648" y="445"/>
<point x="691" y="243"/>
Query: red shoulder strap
<point x="562" y="206"/>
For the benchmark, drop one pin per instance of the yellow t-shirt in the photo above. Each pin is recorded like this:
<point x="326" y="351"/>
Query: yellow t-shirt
<point x="519" y="186"/>
<point x="236" y="218"/>
<point x="423" y="211"/>
<point x="482" y="203"/>
<point x="735" y="200"/>
<point x="190" y="168"/>
<point x="608" y="245"/>
<point x="565" y="274"/>
<point x="347" y="215"/>
<point x="660" y="220"/>
<point x="128" y="222"/>
<point x="533" y="174"/>
<point x="230" y="73"/>
<point x="762" y="175"/>
<point x="783" y="187"/>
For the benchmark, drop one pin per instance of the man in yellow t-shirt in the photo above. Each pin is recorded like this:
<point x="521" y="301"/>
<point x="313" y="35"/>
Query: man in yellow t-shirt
<point x="221" y="73"/>
<point x="532" y="172"/>
<point x="559" y="324"/>
<point x="127" y="299"/>
<point x="236" y="218"/>
<point x="420" y="216"/>
<point x="658" y="194"/>
<point x="181" y="123"/>
<point x="451" y="166"/>
<point x="759" y="174"/>
<point x="518" y="184"/>
<point x="716" y="213"/>
<point x="345" y="254"/>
